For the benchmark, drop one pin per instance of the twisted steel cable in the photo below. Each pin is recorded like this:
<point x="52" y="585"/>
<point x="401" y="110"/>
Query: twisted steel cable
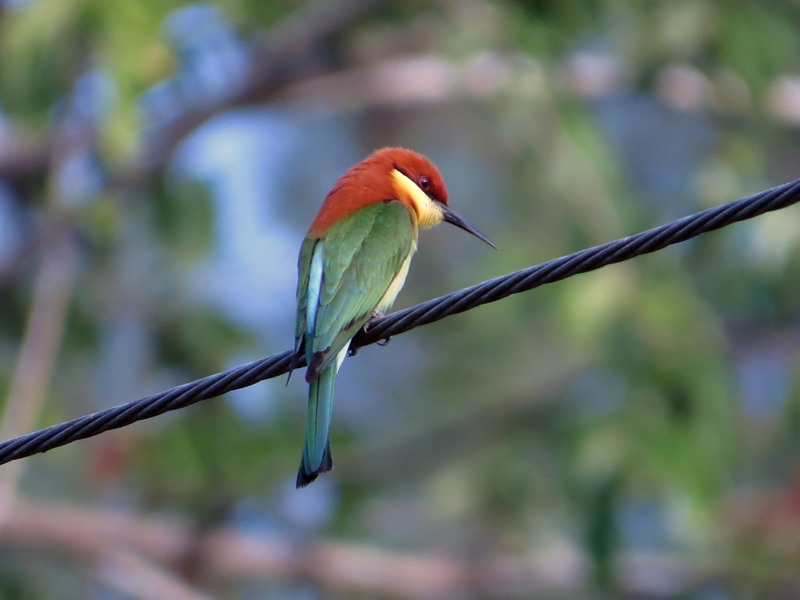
<point x="405" y="320"/>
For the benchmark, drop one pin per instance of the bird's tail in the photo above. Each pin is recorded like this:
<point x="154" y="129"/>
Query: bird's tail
<point x="317" y="451"/>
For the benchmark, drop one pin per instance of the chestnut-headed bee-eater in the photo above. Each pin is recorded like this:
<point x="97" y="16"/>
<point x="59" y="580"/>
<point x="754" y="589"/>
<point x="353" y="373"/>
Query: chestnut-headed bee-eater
<point x="353" y="263"/>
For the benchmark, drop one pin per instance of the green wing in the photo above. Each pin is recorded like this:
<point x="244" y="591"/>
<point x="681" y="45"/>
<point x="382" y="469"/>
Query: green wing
<point x="359" y="258"/>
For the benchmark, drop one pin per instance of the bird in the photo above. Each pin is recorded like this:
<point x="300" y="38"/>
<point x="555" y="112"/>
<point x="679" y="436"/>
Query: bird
<point x="353" y="263"/>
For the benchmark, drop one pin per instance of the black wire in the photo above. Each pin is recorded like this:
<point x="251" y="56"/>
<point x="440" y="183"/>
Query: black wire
<point x="405" y="320"/>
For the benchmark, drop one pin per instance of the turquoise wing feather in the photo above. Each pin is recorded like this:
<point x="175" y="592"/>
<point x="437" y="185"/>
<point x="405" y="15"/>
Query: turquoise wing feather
<point x="304" y="269"/>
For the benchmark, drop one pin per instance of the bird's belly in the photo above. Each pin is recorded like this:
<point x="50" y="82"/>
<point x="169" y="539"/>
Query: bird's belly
<point x="397" y="284"/>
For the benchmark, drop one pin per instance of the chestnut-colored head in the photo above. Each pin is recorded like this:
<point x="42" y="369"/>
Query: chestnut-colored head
<point x="391" y="174"/>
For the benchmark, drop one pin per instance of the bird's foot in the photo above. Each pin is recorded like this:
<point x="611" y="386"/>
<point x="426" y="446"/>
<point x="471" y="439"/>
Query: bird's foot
<point x="376" y="316"/>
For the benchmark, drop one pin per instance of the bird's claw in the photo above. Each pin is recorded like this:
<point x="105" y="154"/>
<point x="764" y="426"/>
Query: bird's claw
<point x="375" y="317"/>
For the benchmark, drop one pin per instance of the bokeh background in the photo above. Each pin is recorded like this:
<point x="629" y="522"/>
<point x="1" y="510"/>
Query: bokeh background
<point x="630" y="433"/>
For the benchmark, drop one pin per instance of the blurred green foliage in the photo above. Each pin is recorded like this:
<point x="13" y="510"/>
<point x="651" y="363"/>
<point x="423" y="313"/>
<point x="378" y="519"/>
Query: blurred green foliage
<point x="649" y="409"/>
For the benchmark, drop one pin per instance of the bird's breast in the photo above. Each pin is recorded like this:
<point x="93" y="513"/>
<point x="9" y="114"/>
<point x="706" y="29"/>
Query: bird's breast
<point x="397" y="284"/>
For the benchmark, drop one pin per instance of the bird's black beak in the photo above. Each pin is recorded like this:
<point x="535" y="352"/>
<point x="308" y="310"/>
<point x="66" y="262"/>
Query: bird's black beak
<point x="454" y="218"/>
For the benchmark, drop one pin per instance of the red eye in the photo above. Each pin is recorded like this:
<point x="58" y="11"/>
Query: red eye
<point x="424" y="183"/>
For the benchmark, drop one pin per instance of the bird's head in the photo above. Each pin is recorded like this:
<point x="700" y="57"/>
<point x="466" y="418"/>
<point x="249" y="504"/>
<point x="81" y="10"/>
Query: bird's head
<point x="419" y="185"/>
<point x="392" y="174"/>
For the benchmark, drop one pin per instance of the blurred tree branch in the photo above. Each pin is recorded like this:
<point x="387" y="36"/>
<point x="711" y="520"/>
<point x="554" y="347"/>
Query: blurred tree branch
<point x="23" y="158"/>
<point x="45" y="232"/>
<point x="52" y="290"/>
<point x="286" y="66"/>
<point x="51" y="293"/>
<point x="424" y="79"/>
<point x="139" y="578"/>
<point x="287" y="54"/>
<point x="134" y="541"/>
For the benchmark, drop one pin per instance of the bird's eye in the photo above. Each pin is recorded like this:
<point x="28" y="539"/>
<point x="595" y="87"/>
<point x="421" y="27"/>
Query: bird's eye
<point x="424" y="183"/>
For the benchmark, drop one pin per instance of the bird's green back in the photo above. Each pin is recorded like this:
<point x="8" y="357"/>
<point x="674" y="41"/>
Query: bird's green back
<point x="360" y="256"/>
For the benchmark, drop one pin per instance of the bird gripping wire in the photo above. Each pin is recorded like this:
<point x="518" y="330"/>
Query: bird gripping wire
<point x="405" y="320"/>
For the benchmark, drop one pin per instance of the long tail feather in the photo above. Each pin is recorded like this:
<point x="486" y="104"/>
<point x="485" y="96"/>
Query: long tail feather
<point x="317" y="451"/>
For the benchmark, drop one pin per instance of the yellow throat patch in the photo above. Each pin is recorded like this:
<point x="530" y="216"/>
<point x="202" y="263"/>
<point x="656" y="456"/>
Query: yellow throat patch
<point x="428" y="211"/>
